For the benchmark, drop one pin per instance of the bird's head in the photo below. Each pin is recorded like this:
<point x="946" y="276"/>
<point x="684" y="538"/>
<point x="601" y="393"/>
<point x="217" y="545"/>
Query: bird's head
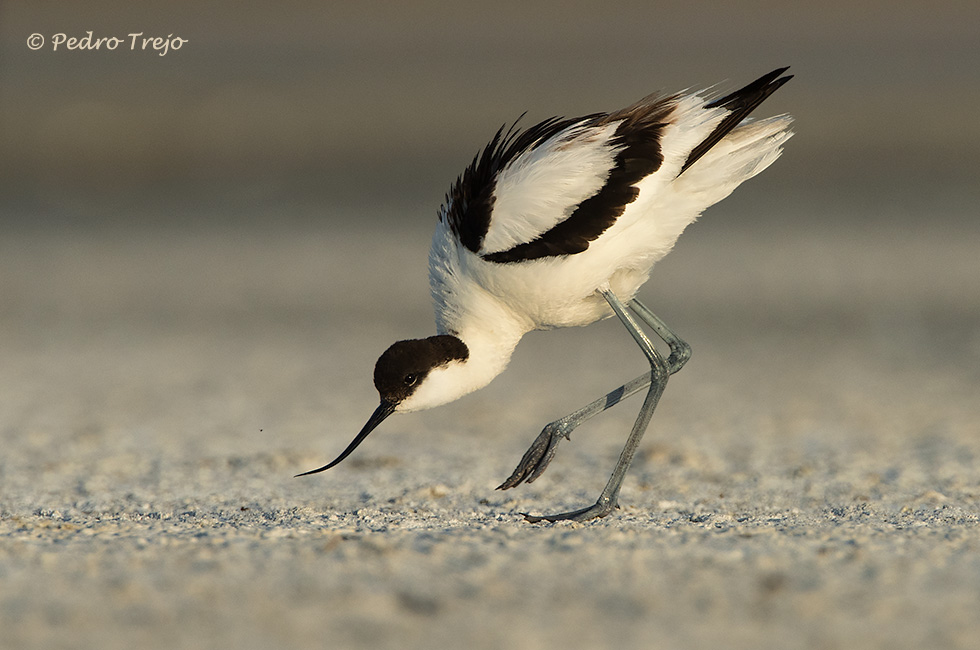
<point x="410" y="376"/>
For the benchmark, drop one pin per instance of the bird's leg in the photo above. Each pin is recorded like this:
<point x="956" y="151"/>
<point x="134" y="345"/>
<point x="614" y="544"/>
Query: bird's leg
<point x="680" y="351"/>
<point x="539" y="455"/>
<point x="542" y="450"/>
<point x="659" y="373"/>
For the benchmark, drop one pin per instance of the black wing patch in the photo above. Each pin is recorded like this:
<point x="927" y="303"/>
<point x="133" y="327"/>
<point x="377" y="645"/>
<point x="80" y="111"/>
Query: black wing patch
<point x="638" y="140"/>
<point x="470" y="200"/>
<point x="740" y="103"/>
<point x="468" y="206"/>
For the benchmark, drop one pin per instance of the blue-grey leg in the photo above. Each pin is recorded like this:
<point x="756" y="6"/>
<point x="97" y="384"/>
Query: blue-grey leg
<point x="657" y="381"/>
<point x="538" y="456"/>
<point x="680" y="351"/>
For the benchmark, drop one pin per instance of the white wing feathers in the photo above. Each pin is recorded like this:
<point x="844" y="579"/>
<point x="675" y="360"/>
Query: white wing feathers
<point x="544" y="185"/>
<point x="746" y="151"/>
<point x="541" y="187"/>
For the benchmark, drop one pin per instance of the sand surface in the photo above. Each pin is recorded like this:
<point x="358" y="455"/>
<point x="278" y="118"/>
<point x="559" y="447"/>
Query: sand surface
<point x="810" y="480"/>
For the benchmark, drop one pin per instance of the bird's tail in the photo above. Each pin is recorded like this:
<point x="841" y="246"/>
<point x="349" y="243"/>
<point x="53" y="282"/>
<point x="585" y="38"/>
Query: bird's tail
<point x="744" y="152"/>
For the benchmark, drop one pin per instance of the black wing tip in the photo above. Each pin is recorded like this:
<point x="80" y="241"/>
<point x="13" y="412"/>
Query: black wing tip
<point x="739" y="104"/>
<point x="773" y="78"/>
<point x="754" y="93"/>
<point x="778" y="71"/>
<point x="781" y="80"/>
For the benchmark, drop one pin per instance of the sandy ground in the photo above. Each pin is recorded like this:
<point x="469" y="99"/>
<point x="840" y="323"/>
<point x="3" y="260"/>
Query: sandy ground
<point x="811" y="479"/>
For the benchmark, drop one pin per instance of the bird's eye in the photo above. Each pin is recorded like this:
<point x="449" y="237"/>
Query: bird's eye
<point x="410" y="379"/>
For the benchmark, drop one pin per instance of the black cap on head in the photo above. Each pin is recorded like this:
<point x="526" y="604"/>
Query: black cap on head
<point x="403" y="366"/>
<point x="399" y="371"/>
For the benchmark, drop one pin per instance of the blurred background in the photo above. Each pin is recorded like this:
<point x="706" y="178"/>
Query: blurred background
<point x="203" y="253"/>
<point x="303" y="110"/>
<point x="246" y="218"/>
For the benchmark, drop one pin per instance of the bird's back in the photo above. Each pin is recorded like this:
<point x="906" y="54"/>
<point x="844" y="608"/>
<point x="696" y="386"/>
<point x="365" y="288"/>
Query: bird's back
<point x="543" y="217"/>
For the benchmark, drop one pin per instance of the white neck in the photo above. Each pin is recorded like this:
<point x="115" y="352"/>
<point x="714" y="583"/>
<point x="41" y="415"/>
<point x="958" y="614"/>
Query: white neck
<point x="490" y="331"/>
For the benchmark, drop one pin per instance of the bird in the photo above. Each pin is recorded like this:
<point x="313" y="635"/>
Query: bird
<point x="559" y="225"/>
